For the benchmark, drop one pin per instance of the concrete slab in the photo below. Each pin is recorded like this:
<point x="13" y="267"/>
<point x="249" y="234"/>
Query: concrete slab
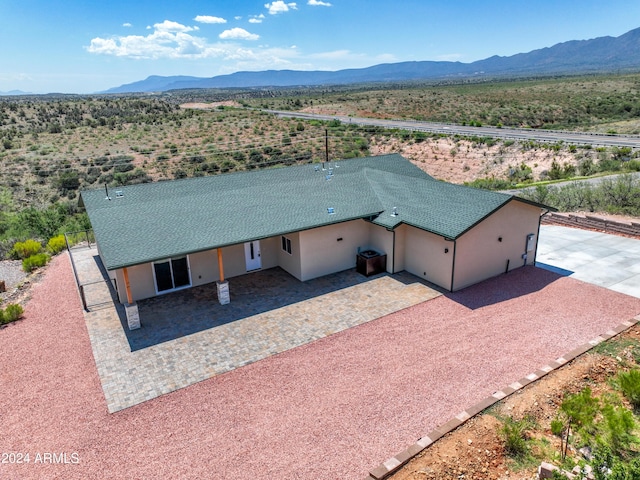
<point x="602" y="259"/>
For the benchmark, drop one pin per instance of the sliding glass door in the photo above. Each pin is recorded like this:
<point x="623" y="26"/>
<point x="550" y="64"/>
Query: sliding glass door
<point x="171" y="274"/>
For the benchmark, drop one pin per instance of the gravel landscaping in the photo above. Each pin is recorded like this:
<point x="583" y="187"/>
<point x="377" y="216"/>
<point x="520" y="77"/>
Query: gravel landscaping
<point x="332" y="409"/>
<point x="12" y="274"/>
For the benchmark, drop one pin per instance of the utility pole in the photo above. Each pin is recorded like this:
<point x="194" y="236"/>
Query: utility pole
<point x="326" y="145"/>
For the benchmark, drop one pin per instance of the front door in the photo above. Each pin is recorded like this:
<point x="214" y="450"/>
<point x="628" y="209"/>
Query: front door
<point x="252" y="255"/>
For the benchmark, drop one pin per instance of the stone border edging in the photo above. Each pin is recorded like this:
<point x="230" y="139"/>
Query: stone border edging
<point x="394" y="463"/>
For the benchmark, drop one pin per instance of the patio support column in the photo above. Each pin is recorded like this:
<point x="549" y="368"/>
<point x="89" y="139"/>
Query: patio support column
<point x="223" y="286"/>
<point x="131" y="308"/>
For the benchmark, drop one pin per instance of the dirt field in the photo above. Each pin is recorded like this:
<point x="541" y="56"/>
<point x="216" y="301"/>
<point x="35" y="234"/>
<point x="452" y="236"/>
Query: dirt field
<point x="459" y="161"/>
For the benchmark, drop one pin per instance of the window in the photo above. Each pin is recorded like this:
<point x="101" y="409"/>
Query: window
<point x="171" y="274"/>
<point x="286" y="244"/>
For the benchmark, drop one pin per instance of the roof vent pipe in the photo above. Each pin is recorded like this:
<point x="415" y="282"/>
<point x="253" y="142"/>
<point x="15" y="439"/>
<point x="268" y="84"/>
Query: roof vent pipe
<point x="106" y="189"/>
<point x="394" y="212"/>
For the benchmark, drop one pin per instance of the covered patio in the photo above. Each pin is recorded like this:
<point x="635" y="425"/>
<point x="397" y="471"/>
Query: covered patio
<point x="307" y="310"/>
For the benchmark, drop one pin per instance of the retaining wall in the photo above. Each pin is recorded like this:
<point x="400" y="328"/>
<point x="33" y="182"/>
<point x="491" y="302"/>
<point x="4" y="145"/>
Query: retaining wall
<point x="590" y="222"/>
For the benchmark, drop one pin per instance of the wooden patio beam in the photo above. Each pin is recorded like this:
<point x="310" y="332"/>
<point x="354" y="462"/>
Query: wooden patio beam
<point x="220" y="265"/>
<point x="127" y="285"/>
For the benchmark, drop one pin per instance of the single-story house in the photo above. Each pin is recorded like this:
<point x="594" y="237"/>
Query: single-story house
<point x="310" y="220"/>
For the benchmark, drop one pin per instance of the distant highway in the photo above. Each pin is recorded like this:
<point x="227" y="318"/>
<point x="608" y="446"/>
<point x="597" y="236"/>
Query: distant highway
<point x="596" y="139"/>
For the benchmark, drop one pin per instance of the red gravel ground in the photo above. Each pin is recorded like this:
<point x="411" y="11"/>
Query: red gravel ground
<point x="332" y="409"/>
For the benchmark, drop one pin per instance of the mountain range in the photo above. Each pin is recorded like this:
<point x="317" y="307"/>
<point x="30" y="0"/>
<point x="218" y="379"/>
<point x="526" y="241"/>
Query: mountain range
<point x="602" y="54"/>
<point x="13" y="92"/>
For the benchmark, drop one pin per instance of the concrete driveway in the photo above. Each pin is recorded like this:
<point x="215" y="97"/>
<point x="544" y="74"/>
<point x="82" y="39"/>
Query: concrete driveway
<point x="602" y="259"/>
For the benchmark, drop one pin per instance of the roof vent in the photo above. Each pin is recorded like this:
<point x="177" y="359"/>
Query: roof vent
<point x="329" y="174"/>
<point x="317" y="168"/>
<point x="119" y="194"/>
<point x="394" y="212"/>
<point x="331" y="211"/>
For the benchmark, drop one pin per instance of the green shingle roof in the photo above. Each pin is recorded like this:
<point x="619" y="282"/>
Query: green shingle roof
<point x="159" y="220"/>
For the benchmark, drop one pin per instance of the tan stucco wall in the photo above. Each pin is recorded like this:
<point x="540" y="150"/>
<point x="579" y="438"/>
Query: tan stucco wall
<point x="479" y="254"/>
<point x="140" y="282"/>
<point x="204" y="267"/>
<point x="381" y="240"/>
<point x="234" y="260"/>
<point x="401" y="239"/>
<point x="290" y="262"/>
<point x="270" y="251"/>
<point x="425" y="257"/>
<point x="322" y="253"/>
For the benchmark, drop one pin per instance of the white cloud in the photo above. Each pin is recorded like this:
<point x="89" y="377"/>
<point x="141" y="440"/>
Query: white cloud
<point x="256" y="18"/>
<point x="318" y="3"/>
<point x="167" y="40"/>
<point x="280" y="7"/>
<point x="237" y="17"/>
<point x="209" y="19"/>
<point x="238" y="33"/>
<point x="169" y="26"/>
<point x="171" y="40"/>
<point x="127" y="24"/>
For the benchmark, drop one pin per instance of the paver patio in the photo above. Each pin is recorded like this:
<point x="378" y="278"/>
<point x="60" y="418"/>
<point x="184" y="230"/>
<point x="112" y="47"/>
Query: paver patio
<point x="187" y="336"/>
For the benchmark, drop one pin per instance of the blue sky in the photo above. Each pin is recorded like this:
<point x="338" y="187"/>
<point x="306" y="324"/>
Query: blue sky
<point x="85" y="46"/>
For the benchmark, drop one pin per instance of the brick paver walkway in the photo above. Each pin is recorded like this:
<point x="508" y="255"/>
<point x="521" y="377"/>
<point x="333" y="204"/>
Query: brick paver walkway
<point x="188" y="337"/>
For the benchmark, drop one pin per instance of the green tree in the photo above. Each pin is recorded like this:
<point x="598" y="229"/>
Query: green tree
<point x="578" y="414"/>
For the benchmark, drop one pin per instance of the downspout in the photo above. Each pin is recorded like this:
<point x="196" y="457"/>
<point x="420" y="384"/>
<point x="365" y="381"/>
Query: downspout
<point x="538" y="234"/>
<point x="453" y="264"/>
<point x="393" y="249"/>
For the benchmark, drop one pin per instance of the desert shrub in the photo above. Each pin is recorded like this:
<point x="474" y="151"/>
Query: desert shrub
<point x="69" y="180"/>
<point x="490" y="183"/>
<point x="125" y="167"/>
<point x="22" y="250"/>
<point x="34" y="261"/>
<point x="630" y="385"/>
<point x="607" y="466"/>
<point x="609" y="165"/>
<point x="513" y="433"/>
<point x="617" y="428"/>
<point x="56" y="244"/>
<point x="587" y="167"/>
<point x="521" y="173"/>
<point x="632" y="166"/>
<point x="11" y="313"/>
